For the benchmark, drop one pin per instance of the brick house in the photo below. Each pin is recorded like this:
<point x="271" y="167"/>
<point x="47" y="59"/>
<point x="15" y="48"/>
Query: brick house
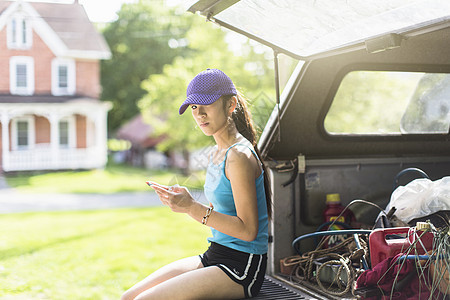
<point x="50" y="114"/>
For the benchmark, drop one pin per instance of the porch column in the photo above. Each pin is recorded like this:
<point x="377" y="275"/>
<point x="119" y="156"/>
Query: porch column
<point x="54" y="138"/>
<point x="101" y="136"/>
<point x="5" y="141"/>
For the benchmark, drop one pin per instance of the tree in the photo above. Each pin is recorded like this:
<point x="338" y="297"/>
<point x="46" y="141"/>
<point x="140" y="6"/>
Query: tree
<point x="369" y="102"/>
<point x="208" y="49"/>
<point x="140" y="41"/>
<point x="429" y="107"/>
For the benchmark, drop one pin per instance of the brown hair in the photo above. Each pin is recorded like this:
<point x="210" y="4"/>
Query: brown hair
<point x="244" y="124"/>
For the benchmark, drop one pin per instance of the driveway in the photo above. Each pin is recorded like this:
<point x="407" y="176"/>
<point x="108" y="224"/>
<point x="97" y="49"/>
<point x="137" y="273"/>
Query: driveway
<point x="11" y="201"/>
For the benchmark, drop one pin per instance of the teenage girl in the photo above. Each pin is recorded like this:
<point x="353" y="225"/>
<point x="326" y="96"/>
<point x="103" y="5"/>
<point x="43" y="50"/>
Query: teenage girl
<point x="237" y="188"/>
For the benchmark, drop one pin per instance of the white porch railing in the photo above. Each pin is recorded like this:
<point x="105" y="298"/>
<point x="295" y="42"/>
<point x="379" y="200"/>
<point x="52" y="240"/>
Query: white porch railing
<point x="45" y="158"/>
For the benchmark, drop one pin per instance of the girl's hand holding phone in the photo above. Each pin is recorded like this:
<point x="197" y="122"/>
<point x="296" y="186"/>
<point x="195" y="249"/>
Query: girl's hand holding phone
<point x="152" y="184"/>
<point x="176" y="197"/>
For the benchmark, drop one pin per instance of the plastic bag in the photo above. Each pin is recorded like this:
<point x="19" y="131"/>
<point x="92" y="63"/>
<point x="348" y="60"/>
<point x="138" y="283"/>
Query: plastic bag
<point x="419" y="198"/>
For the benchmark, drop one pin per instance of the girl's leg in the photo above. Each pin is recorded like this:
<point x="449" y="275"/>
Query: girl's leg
<point x="165" y="273"/>
<point x="204" y="283"/>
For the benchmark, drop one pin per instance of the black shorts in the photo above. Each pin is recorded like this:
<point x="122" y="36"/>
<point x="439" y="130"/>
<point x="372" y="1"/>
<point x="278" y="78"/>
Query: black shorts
<point x="244" y="268"/>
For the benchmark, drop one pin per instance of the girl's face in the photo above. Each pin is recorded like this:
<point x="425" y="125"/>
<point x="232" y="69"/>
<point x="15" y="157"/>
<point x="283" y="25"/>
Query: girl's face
<point x="210" y="118"/>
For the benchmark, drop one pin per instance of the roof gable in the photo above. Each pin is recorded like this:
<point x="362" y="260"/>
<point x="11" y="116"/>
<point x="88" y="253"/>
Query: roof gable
<point x="65" y="28"/>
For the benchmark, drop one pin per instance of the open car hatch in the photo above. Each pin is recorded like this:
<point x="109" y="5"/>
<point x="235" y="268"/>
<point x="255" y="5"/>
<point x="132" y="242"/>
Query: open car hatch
<point x="306" y="29"/>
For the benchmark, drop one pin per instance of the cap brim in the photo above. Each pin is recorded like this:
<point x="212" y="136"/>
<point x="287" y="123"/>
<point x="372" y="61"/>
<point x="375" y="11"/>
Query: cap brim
<point x="200" y="99"/>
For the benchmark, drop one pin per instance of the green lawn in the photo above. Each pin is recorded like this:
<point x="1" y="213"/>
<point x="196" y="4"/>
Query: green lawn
<point x="113" y="179"/>
<point x="90" y="255"/>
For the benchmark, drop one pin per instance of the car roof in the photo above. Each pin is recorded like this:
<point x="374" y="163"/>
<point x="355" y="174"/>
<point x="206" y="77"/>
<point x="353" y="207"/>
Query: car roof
<point x="310" y="28"/>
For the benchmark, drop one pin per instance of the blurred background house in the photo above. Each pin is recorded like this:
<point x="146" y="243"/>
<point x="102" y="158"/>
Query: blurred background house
<point x="50" y="113"/>
<point x="142" y="151"/>
<point x="142" y="145"/>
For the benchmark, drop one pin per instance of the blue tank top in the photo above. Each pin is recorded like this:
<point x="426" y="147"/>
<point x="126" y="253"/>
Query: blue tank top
<point x="218" y="191"/>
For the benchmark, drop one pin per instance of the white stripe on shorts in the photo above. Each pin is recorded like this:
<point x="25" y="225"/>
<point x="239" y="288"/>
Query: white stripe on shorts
<point x="249" y="289"/>
<point x="249" y="263"/>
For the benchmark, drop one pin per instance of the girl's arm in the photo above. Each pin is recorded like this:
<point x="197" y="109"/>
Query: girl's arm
<point x="241" y="170"/>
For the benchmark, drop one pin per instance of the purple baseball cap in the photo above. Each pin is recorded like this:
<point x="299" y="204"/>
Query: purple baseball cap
<point x="207" y="87"/>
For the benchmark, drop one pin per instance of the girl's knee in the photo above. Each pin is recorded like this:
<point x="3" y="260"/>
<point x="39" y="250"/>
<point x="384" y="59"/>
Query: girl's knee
<point x="128" y="295"/>
<point x="146" y="295"/>
<point x="125" y="297"/>
<point x="140" y="297"/>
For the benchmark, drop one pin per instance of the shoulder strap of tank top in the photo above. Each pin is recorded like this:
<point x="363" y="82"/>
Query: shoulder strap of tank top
<point x="251" y="149"/>
<point x="210" y="155"/>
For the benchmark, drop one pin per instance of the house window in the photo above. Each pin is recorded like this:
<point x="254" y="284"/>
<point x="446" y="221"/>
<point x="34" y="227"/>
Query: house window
<point x="14" y="31"/>
<point x="23" y="137"/>
<point x="24" y="33"/>
<point x="66" y="128"/>
<point x="64" y="134"/>
<point x="19" y="33"/>
<point x="21" y="75"/>
<point x="63" y="77"/>
<point x="22" y="134"/>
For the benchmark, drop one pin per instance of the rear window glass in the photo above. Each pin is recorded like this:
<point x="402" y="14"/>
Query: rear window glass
<point x="314" y="26"/>
<point x="385" y="103"/>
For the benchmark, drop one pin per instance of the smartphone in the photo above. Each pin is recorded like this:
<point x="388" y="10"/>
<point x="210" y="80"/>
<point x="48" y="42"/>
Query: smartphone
<point x="150" y="183"/>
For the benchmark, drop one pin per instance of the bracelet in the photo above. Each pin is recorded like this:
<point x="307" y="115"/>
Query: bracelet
<point x="208" y="213"/>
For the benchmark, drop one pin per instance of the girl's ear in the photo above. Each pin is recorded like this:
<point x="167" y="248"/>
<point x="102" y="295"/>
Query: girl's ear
<point x="232" y="104"/>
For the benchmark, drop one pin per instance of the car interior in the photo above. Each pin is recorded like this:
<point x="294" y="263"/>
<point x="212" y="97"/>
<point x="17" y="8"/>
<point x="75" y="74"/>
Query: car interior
<point x="365" y="112"/>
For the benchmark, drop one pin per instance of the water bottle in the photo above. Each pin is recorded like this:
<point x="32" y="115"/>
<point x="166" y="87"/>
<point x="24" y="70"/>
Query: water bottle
<point x="332" y="213"/>
<point x="334" y="208"/>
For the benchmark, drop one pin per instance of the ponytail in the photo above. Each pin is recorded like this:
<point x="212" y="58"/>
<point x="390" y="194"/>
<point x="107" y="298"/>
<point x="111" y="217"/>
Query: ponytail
<point x="244" y="124"/>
